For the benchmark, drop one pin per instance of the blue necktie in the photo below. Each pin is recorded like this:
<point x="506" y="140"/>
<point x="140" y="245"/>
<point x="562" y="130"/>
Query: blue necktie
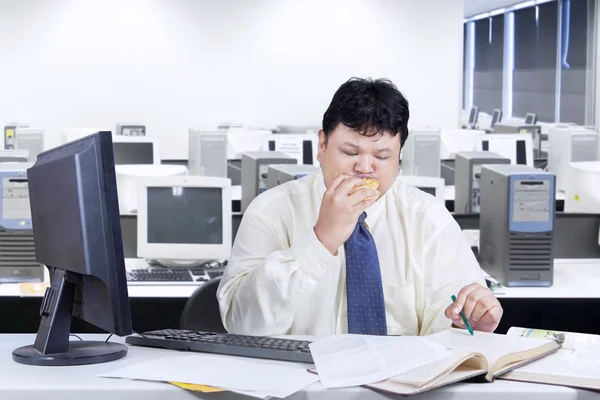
<point x="366" y="307"/>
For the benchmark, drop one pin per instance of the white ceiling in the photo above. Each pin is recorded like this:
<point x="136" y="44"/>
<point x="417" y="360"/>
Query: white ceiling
<point x="474" y="7"/>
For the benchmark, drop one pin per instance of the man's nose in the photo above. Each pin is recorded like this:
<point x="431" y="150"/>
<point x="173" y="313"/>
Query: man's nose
<point x="364" y="164"/>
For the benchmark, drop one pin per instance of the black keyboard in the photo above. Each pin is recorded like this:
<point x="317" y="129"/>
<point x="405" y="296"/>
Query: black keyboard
<point x="214" y="274"/>
<point x="225" y="343"/>
<point x="159" y="275"/>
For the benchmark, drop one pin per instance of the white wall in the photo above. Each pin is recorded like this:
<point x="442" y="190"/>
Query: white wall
<point x="175" y="64"/>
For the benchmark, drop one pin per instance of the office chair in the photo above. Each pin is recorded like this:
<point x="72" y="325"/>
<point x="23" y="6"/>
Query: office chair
<point x="201" y="312"/>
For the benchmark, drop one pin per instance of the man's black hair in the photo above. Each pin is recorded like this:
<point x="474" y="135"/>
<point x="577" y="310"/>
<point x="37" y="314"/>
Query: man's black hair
<point x="370" y="107"/>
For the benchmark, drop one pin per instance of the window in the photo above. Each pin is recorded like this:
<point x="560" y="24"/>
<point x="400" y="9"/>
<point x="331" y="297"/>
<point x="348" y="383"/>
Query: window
<point x="489" y="59"/>
<point x="575" y="62"/>
<point x="534" y="57"/>
<point x="535" y="49"/>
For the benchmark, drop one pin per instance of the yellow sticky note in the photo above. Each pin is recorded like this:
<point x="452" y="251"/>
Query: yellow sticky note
<point x="576" y="197"/>
<point x="33" y="288"/>
<point x="197" y="388"/>
<point x="9" y="133"/>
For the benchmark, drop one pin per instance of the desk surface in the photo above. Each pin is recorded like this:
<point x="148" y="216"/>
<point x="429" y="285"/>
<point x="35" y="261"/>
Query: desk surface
<point x="572" y="279"/>
<point x="19" y="381"/>
<point x="575" y="279"/>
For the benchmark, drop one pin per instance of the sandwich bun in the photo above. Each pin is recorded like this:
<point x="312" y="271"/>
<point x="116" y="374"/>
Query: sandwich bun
<point x="368" y="183"/>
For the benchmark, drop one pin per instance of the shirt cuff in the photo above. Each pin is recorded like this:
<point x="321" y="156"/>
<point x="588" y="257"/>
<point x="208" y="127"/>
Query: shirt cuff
<point x="313" y="257"/>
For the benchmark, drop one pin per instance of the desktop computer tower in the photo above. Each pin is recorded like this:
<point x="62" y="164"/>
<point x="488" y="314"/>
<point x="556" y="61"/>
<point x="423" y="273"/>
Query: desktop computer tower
<point x="467" y="177"/>
<point x="17" y="248"/>
<point x="421" y="153"/>
<point x="280" y="174"/>
<point x="207" y="153"/>
<point x="255" y="169"/>
<point x="516" y="224"/>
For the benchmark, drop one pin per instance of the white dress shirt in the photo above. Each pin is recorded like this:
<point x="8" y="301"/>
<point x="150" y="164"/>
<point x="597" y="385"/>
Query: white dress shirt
<point x="281" y="280"/>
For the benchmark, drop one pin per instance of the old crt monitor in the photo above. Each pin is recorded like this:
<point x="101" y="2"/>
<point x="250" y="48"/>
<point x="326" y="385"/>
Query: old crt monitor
<point x="434" y="186"/>
<point x="516" y="224"/>
<point x="184" y="221"/>
<point x="567" y="144"/>
<point x="75" y="218"/>
<point x="279" y="174"/>
<point x="129" y="176"/>
<point x="135" y="150"/>
<point x="455" y="140"/>
<point x="17" y="247"/>
<point x="302" y="147"/>
<point x="255" y="170"/>
<point x="582" y="193"/>
<point x="467" y="177"/>
<point x="517" y="147"/>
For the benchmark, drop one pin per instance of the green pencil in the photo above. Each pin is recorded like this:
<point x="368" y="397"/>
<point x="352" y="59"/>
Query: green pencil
<point x="463" y="317"/>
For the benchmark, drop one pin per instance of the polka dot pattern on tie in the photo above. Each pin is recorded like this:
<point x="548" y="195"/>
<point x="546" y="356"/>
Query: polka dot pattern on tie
<point x="366" y="306"/>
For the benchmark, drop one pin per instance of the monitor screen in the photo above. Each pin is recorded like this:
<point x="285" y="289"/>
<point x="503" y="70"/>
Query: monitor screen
<point x="133" y="153"/>
<point x="496" y="115"/>
<point x="473" y="115"/>
<point x="430" y="190"/>
<point x="530" y="119"/>
<point x="185" y="215"/>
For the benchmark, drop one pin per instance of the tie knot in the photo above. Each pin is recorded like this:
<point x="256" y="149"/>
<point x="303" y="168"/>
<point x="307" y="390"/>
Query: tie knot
<point x="362" y="217"/>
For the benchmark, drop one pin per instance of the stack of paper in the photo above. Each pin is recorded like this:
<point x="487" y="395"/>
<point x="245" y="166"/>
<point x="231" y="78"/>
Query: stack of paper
<point x="353" y="360"/>
<point x="252" y="377"/>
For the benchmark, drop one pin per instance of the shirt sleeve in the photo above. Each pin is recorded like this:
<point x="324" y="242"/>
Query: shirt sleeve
<point x="450" y="265"/>
<point x="268" y="277"/>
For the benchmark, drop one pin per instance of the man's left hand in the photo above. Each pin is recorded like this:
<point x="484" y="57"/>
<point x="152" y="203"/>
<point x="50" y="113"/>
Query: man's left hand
<point x="480" y="306"/>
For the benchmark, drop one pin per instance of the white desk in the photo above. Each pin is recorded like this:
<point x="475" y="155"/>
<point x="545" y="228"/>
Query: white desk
<point x="22" y="382"/>
<point x="572" y="279"/>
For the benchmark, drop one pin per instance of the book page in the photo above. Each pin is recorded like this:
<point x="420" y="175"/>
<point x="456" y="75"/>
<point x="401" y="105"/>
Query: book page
<point x="352" y="360"/>
<point x="573" y="363"/>
<point x="427" y="373"/>
<point x="566" y="340"/>
<point x="492" y="346"/>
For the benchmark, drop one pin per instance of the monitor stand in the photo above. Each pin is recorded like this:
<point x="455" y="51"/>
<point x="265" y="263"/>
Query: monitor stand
<point x="52" y="346"/>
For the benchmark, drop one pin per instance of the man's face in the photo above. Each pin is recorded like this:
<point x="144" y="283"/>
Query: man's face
<point x="347" y="152"/>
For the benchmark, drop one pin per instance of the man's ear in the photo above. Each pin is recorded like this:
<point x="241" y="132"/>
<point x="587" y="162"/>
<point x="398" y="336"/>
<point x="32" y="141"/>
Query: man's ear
<point x="322" y="146"/>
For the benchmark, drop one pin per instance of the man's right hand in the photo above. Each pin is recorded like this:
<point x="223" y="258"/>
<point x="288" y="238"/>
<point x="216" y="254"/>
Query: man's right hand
<point x="340" y="211"/>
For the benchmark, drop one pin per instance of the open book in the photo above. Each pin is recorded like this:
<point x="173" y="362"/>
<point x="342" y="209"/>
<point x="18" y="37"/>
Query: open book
<point x="576" y="364"/>
<point x="485" y="354"/>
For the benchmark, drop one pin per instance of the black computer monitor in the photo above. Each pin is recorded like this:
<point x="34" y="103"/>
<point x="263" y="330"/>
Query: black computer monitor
<point x="77" y="234"/>
<point x="496" y="117"/>
<point x="530" y="119"/>
<point x="473" y="116"/>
